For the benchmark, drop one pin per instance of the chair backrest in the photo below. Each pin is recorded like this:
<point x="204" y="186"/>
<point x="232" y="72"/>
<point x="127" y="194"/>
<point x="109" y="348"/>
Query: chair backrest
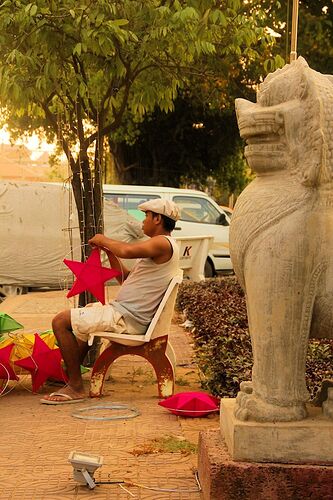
<point x="160" y="324"/>
<point x="193" y="252"/>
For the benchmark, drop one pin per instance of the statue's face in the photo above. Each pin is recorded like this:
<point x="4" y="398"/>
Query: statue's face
<point x="273" y="127"/>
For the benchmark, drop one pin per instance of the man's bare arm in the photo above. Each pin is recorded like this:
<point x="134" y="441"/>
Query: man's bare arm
<point x="156" y="248"/>
<point x="115" y="263"/>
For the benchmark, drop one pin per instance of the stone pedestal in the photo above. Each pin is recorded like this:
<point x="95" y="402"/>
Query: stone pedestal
<point x="307" y="441"/>
<point x="222" y="478"/>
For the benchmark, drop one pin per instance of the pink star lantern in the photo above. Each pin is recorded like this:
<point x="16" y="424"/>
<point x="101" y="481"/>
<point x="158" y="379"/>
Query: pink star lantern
<point x="90" y="275"/>
<point x="43" y="363"/>
<point x="6" y="370"/>
<point x="191" y="404"/>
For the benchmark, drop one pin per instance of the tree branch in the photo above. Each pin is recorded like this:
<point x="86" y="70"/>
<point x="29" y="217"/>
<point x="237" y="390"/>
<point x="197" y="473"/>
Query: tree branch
<point x="52" y="119"/>
<point x="77" y="72"/>
<point x="116" y="122"/>
<point x="79" y="64"/>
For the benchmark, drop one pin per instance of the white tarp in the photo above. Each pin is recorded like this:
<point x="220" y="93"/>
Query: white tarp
<point x="34" y="235"/>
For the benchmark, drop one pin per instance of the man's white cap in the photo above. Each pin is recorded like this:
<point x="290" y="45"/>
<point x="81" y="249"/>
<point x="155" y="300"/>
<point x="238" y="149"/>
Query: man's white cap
<point x="160" y="206"/>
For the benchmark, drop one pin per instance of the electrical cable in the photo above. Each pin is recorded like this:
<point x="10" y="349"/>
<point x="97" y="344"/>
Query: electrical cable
<point x="110" y="482"/>
<point x="164" y="490"/>
<point x="156" y="488"/>
<point x="113" y="406"/>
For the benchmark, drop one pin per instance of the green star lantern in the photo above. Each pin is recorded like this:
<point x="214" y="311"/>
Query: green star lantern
<point x="8" y="324"/>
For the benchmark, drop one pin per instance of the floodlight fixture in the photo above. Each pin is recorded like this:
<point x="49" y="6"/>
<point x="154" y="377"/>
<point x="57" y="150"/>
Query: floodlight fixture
<point x="84" y="466"/>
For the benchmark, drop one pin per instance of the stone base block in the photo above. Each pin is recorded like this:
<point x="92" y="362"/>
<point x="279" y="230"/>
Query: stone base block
<point x="224" y="479"/>
<point x="307" y="441"/>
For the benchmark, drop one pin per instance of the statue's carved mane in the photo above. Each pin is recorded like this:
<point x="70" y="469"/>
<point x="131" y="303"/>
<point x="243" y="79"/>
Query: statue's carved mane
<point x="312" y="160"/>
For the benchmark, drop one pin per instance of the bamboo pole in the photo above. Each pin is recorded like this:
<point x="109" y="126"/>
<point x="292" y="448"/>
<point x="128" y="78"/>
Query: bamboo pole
<point x="293" y="45"/>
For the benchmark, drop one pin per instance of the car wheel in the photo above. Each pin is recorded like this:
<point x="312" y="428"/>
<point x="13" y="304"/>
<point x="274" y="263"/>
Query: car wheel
<point x="209" y="269"/>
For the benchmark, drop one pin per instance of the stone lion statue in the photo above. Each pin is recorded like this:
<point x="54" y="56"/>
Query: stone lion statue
<point x="281" y="236"/>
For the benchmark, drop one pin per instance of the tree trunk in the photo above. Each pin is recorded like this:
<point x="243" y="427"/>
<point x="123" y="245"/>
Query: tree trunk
<point x="118" y="160"/>
<point x="98" y="186"/>
<point x="88" y="198"/>
<point x="88" y="195"/>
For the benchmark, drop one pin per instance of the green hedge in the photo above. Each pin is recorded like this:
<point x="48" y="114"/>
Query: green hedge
<point x="221" y="337"/>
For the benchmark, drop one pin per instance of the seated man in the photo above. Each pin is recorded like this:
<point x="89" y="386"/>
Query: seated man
<point x="138" y="298"/>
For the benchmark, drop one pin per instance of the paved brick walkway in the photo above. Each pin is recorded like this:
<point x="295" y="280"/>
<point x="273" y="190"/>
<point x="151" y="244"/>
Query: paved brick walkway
<point x="36" y="439"/>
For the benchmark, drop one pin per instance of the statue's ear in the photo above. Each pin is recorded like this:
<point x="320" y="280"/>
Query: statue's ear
<point x="301" y="62"/>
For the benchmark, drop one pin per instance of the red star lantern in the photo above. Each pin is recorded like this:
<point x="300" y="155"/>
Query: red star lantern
<point x="90" y="275"/>
<point x="43" y="363"/>
<point x="191" y="404"/>
<point x="6" y="370"/>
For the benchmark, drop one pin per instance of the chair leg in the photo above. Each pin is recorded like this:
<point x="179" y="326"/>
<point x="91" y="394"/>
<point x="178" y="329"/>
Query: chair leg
<point x="100" y="368"/>
<point x="165" y="376"/>
<point x="154" y="352"/>
<point x="171" y="355"/>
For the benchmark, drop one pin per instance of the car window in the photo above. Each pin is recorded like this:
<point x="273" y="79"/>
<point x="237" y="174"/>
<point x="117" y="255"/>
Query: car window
<point x="130" y="202"/>
<point x="193" y="209"/>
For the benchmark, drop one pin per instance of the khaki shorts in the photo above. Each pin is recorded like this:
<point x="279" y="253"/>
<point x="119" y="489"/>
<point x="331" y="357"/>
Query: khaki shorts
<point x="96" y="318"/>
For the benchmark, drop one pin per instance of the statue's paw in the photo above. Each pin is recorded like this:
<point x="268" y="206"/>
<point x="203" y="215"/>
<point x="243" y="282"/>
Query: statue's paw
<point x="240" y="410"/>
<point x="241" y="399"/>
<point x="241" y="413"/>
<point x="246" y="386"/>
<point x="251" y="407"/>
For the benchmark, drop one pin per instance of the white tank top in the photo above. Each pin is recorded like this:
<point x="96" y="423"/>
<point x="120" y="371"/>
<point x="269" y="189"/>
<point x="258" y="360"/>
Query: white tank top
<point x="142" y="291"/>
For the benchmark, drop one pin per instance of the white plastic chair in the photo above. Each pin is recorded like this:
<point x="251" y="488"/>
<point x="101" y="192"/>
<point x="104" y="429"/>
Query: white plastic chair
<point x="153" y="346"/>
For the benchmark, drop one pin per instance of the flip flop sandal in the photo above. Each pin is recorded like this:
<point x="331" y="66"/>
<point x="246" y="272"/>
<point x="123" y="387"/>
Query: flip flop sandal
<point x="68" y="399"/>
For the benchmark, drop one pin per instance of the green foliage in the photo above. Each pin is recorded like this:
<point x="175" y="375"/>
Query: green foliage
<point x="222" y="343"/>
<point x="107" y="53"/>
<point x="185" y="147"/>
<point x="319" y="363"/>
<point x="165" y="148"/>
<point x="315" y="34"/>
<point x="171" y="150"/>
<point x="79" y="70"/>
<point x="221" y="339"/>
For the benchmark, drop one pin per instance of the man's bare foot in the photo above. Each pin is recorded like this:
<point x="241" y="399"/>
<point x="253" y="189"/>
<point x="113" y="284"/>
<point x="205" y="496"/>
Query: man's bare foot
<point x="64" y="396"/>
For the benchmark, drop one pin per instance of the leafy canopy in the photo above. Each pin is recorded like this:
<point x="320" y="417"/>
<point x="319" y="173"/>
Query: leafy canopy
<point x="315" y="34"/>
<point x="66" y="63"/>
